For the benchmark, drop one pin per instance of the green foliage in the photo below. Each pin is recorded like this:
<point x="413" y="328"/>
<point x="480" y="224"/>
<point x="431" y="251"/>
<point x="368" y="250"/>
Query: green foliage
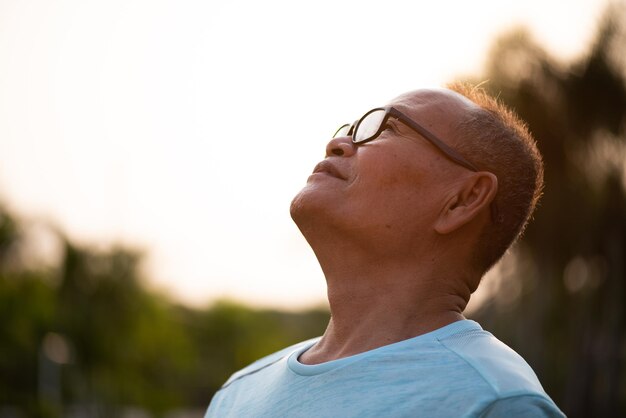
<point x="26" y="306"/>
<point x="89" y="335"/>
<point x="245" y="335"/>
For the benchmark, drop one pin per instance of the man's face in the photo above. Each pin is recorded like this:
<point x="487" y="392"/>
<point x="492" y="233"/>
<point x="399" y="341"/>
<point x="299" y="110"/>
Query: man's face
<point x="396" y="184"/>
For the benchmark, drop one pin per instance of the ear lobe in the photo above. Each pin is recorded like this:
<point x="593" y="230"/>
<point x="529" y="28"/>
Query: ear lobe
<point x="473" y="196"/>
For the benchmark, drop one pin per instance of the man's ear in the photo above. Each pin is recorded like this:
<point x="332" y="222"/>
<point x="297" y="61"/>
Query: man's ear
<point x="473" y="196"/>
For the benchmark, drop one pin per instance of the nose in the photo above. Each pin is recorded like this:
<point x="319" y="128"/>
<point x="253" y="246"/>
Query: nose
<point x="341" y="146"/>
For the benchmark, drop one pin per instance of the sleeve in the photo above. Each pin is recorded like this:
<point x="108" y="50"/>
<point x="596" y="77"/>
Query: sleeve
<point x="524" y="406"/>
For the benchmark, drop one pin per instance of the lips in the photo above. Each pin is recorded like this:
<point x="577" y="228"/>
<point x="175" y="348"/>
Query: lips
<point x="330" y="169"/>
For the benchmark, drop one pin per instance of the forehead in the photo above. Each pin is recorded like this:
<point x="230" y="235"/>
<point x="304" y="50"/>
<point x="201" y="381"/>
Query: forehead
<point x="439" y="110"/>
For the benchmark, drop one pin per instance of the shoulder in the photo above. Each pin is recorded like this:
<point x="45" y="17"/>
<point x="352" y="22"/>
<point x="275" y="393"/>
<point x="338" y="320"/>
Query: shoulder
<point x="505" y="371"/>
<point x="268" y="360"/>
<point x="523" y="406"/>
<point x="516" y="390"/>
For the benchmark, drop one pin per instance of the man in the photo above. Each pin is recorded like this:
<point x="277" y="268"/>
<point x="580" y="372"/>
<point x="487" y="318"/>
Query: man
<point x="410" y="207"/>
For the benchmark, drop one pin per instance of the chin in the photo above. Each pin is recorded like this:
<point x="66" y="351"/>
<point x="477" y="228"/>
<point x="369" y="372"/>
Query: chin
<point x="310" y="207"/>
<point x="299" y="205"/>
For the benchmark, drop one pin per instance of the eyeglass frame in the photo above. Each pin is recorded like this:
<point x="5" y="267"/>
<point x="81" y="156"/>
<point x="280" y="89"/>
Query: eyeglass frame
<point x="391" y="111"/>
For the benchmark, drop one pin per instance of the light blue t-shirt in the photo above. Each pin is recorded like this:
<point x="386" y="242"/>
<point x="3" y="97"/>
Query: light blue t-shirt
<point x="459" y="370"/>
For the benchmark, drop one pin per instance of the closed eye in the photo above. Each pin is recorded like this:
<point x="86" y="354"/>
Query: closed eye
<point x="399" y="129"/>
<point x="392" y="125"/>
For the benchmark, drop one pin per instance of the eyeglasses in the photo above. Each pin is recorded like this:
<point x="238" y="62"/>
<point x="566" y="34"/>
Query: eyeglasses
<point x="372" y="124"/>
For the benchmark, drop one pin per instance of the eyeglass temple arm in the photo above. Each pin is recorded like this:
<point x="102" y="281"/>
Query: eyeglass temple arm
<point x="452" y="154"/>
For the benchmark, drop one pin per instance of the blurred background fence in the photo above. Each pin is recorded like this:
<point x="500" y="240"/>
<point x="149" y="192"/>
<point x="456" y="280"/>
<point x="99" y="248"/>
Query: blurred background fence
<point x="84" y="336"/>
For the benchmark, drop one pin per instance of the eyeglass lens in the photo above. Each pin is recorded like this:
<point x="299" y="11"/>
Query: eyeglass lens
<point x="369" y="125"/>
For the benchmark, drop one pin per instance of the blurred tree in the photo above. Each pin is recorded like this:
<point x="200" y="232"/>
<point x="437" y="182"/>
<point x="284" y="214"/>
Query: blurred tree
<point x="231" y="336"/>
<point x="568" y="318"/>
<point x="9" y="235"/>
<point x="129" y="349"/>
<point x="27" y="304"/>
<point x="88" y="339"/>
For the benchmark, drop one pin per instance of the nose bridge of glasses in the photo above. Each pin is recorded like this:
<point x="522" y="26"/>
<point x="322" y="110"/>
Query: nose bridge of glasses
<point x="351" y="130"/>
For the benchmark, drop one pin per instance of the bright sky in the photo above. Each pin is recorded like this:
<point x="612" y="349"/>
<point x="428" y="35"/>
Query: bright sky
<point x="185" y="127"/>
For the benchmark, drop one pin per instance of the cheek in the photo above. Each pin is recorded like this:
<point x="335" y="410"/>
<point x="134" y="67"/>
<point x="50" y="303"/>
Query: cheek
<point x="398" y="176"/>
<point x="409" y="192"/>
<point x="390" y="192"/>
<point x="397" y="183"/>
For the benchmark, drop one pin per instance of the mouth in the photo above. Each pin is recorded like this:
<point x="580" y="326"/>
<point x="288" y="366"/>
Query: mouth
<point x="328" y="168"/>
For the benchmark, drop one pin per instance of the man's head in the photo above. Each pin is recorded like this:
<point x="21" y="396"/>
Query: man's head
<point x="430" y="176"/>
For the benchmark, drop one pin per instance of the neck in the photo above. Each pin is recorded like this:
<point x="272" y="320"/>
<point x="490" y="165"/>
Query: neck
<point x="376" y="301"/>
